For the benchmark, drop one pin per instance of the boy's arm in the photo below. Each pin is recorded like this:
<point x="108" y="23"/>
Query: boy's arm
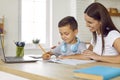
<point x="82" y="47"/>
<point x="55" y="51"/>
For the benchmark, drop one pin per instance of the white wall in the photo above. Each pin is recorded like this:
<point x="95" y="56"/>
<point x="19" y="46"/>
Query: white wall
<point x="9" y="9"/>
<point x="112" y="4"/>
<point x="84" y="33"/>
<point x="61" y="8"/>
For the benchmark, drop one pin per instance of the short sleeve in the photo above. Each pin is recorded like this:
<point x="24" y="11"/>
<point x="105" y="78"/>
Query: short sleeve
<point x="92" y="42"/>
<point x="82" y="47"/>
<point x="112" y="36"/>
<point x="56" y="51"/>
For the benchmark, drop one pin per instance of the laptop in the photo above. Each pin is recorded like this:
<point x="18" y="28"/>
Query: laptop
<point x="10" y="59"/>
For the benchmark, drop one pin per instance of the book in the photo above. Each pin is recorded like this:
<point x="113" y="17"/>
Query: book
<point x="97" y="73"/>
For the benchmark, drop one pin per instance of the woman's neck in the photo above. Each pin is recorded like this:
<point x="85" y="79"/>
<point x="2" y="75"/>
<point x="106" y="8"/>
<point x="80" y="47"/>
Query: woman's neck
<point x="98" y="32"/>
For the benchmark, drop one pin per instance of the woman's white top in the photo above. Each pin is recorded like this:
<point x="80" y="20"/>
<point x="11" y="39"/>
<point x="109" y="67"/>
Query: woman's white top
<point x="109" y="40"/>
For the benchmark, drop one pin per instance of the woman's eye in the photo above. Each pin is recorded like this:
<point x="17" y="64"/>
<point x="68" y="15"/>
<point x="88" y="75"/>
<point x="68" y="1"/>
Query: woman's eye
<point x="90" y="22"/>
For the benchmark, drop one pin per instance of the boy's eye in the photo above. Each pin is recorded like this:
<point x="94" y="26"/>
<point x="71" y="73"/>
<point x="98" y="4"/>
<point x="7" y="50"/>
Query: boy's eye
<point x="66" y="33"/>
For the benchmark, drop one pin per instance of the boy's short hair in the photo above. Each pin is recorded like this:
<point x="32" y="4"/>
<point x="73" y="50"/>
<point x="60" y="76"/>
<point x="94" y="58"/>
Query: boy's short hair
<point x="69" y="20"/>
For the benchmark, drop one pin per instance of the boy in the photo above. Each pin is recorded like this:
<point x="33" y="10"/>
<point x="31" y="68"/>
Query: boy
<point x="71" y="46"/>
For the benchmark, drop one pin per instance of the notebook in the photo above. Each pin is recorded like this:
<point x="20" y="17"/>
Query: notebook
<point x="97" y="73"/>
<point x="10" y="59"/>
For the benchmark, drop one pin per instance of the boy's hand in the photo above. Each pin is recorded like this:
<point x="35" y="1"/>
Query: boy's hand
<point x="46" y="56"/>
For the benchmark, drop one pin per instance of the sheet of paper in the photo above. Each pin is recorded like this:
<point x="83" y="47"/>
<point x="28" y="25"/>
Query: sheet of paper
<point x="71" y="61"/>
<point x="8" y="76"/>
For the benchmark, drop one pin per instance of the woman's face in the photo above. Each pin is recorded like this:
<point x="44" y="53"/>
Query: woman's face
<point x="92" y="24"/>
<point x="67" y="34"/>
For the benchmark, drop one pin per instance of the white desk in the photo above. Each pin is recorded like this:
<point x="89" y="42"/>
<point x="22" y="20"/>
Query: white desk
<point x="47" y="71"/>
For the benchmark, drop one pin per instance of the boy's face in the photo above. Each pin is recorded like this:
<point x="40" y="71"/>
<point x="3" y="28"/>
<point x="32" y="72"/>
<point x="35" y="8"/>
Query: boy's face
<point x="67" y="34"/>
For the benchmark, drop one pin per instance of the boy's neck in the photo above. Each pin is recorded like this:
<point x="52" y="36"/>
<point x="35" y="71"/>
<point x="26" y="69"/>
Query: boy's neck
<point x="73" y="41"/>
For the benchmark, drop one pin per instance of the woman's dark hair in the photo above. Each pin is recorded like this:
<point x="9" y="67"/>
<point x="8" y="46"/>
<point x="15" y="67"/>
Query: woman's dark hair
<point x="100" y="13"/>
<point x="69" y="20"/>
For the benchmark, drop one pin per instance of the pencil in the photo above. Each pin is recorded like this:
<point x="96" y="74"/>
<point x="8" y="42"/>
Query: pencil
<point x="42" y="48"/>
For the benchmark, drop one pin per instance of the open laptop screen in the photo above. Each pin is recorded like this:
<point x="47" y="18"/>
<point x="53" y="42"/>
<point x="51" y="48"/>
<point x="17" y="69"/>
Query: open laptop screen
<point x="2" y="56"/>
<point x="13" y="59"/>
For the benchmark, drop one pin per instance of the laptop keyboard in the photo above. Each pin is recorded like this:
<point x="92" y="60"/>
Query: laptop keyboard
<point x="16" y="59"/>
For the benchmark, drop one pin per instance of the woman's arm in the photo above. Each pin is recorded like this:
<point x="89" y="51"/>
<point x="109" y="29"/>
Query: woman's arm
<point x="113" y="59"/>
<point x="110" y="59"/>
<point x="90" y="47"/>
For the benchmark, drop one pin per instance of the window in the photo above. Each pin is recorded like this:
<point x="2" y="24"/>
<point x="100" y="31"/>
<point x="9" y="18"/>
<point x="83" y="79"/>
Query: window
<point x="33" y="21"/>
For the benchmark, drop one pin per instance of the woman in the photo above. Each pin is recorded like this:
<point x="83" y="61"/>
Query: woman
<point x="105" y="45"/>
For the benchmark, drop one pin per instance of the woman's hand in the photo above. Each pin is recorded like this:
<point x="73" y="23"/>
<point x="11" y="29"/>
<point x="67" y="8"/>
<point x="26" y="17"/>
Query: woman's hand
<point x="46" y="56"/>
<point x="91" y="54"/>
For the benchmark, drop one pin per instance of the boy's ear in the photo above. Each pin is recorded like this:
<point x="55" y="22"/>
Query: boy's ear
<point x="76" y="31"/>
